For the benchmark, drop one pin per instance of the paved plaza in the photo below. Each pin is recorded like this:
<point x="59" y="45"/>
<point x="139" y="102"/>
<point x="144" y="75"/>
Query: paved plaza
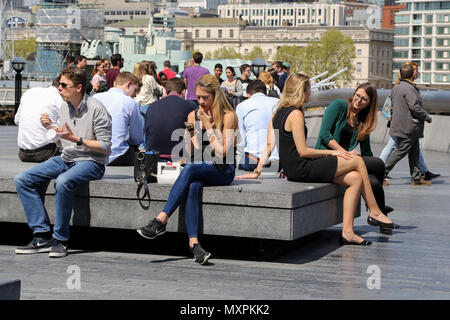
<point x="412" y="263"/>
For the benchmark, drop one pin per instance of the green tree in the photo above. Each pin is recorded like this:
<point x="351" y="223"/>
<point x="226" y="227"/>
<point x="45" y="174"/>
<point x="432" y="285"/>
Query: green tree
<point x="332" y="52"/>
<point x="256" y="52"/>
<point x="292" y="54"/>
<point x="22" y="48"/>
<point x="226" y="53"/>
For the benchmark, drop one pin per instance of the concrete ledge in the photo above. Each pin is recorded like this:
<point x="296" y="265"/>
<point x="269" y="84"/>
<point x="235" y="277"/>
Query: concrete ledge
<point x="267" y="208"/>
<point x="436" y="134"/>
<point x="10" y="290"/>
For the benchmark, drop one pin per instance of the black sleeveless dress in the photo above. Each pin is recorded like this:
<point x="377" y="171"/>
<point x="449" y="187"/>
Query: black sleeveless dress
<point x="295" y="167"/>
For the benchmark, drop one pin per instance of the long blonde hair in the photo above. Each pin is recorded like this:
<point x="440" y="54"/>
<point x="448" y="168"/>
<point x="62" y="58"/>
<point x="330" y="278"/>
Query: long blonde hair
<point x="220" y="106"/>
<point x="409" y="63"/>
<point x="294" y="92"/>
<point x="266" y="77"/>
<point x="366" y="121"/>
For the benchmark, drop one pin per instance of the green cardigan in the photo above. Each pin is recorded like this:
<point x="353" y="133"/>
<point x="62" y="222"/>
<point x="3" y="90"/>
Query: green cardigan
<point x="334" y="120"/>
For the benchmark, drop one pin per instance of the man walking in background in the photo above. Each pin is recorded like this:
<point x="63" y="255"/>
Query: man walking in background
<point x="407" y="124"/>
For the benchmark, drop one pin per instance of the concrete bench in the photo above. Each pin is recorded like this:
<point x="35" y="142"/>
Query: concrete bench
<point x="267" y="208"/>
<point x="10" y="290"/>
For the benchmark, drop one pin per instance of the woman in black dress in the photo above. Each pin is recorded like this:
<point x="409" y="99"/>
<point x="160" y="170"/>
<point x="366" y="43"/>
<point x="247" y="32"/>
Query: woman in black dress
<point x="304" y="164"/>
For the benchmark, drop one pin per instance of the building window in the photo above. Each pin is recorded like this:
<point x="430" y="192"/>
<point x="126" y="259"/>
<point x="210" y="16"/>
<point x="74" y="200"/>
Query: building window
<point x="197" y="33"/>
<point x="359" y="67"/>
<point x="208" y="33"/>
<point x="359" y="52"/>
<point x="231" y="33"/>
<point x="220" y="33"/>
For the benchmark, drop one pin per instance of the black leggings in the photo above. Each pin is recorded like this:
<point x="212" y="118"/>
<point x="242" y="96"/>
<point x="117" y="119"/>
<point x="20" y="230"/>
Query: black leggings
<point x="375" y="168"/>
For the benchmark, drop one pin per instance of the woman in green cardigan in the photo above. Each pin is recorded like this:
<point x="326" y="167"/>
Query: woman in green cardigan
<point x="346" y="124"/>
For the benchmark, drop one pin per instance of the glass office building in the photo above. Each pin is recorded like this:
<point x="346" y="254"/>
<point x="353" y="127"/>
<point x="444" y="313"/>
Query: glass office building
<point x="422" y="35"/>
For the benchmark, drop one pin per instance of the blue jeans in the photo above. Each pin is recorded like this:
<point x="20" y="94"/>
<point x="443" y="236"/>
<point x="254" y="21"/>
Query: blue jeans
<point x="391" y="145"/>
<point x="143" y="110"/>
<point x="188" y="189"/>
<point x="68" y="175"/>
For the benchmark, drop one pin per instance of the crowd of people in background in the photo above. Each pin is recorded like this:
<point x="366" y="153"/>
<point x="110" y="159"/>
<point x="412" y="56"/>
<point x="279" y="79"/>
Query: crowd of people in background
<point x="110" y="115"/>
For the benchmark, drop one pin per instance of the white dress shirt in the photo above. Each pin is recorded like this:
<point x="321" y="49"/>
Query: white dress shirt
<point x="254" y="116"/>
<point x="126" y="121"/>
<point x="33" y="103"/>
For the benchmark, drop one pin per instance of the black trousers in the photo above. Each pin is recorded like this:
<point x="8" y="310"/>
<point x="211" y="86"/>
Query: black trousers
<point x="39" y="155"/>
<point x="375" y="169"/>
<point x="127" y="159"/>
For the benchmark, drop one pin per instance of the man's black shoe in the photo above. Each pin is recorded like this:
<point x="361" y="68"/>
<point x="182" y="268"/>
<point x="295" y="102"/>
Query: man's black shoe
<point x="430" y="175"/>
<point x="37" y="245"/>
<point x="59" y="249"/>
<point x="201" y="255"/>
<point x="153" y="229"/>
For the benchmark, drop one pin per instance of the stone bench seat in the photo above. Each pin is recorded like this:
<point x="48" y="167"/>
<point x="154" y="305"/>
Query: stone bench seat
<point x="266" y="208"/>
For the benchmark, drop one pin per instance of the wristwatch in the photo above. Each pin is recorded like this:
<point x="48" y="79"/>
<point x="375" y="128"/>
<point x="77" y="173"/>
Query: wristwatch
<point x="258" y="173"/>
<point x="80" y="142"/>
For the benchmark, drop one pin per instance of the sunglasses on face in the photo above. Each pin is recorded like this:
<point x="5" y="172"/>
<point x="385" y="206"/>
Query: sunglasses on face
<point x="364" y="99"/>
<point x="65" y="85"/>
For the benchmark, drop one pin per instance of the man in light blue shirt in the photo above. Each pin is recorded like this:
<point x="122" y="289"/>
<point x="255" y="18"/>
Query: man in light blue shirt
<point x="127" y="132"/>
<point x="254" y="117"/>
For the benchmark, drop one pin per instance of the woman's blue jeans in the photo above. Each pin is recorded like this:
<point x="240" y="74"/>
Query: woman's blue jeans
<point x="188" y="189"/>
<point x="68" y="175"/>
<point x="143" y="110"/>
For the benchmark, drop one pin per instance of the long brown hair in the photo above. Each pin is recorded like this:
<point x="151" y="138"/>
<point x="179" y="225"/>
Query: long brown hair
<point x="366" y="120"/>
<point x="220" y="106"/>
<point x="95" y="69"/>
<point x="294" y="92"/>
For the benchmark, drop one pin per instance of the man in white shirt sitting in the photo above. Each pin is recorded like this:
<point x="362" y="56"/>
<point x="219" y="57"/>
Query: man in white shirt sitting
<point x="254" y="116"/>
<point x="127" y="132"/>
<point x="33" y="144"/>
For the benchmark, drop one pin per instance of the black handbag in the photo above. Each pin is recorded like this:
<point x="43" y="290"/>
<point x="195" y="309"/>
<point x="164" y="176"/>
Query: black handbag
<point x="145" y="171"/>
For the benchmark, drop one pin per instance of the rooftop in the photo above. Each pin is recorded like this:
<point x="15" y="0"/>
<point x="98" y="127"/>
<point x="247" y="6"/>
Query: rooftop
<point x="116" y="264"/>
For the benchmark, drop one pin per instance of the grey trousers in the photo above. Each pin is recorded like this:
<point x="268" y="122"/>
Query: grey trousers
<point x="405" y="146"/>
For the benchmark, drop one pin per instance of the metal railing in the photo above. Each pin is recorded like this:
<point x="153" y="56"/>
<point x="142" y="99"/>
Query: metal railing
<point x="433" y="100"/>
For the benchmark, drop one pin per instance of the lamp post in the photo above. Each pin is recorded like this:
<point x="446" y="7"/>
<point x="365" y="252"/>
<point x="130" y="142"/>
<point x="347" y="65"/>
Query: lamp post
<point x="258" y="65"/>
<point x="18" y="65"/>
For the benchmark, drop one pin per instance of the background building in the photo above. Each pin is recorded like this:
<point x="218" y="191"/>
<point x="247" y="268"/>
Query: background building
<point x="422" y="34"/>
<point x="278" y="14"/>
<point x="374" y="48"/>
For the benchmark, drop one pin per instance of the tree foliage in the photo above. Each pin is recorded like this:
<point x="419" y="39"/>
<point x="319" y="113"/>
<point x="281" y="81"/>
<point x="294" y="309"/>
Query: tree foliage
<point x="332" y="52"/>
<point x="22" y="48"/>
<point x="231" y="53"/>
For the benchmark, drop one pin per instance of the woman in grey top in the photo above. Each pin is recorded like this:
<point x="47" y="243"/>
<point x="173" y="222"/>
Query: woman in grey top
<point x="232" y="87"/>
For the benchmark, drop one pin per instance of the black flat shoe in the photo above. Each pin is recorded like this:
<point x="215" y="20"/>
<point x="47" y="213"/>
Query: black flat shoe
<point x="375" y="222"/>
<point x="387" y="210"/>
<point x="344" y="242"/>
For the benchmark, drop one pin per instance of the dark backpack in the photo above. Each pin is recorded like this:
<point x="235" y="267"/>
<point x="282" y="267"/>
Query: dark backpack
<point x="272" y="93"/>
